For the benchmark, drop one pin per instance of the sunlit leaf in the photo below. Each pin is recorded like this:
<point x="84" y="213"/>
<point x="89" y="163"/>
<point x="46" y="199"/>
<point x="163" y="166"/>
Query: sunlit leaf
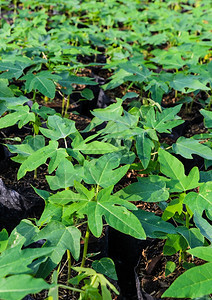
<point x="188" y="146"/>
<point x="195" y="282"/>
<point x="174" y="169"/>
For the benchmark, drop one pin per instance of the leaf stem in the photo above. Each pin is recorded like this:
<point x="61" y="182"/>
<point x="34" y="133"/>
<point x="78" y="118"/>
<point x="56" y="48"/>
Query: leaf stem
<point x="35" y="173"/>
<point x="67" y="105"/>
<point x="97" y="191"/>
<point x="63" y="105"/>
<point x="93" y="280"/>
<point x="15" y="10"/>
<point x="128" y="87"/>
<point x="180" y="257"/>
<point x="69" y="265"/>
<point x="187" y="219"/>
<point x="66" y="146"/>
<point x="164" y="149"/>
<point x="34" y="95"/>
<point x="71" y="288"/>
<point x="85" y="250"/>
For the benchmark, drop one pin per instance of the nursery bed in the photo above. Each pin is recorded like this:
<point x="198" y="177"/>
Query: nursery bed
<point x="106" y="149"/>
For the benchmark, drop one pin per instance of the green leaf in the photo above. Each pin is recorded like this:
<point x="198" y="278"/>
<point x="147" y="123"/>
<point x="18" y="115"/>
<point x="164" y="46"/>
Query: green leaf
<point x="96" y="147"/>
<point x="66" y="80"/>
<point x="198" y="202"/>
<point x="3" y="240"/>
<point x="41" y="82"/>
<point x="128" y="72"/>
<point x="174" y="169"/>
<point x="106" y="267"/>
<point x="186" y="265"/>
<point x="88" y="194"/>
<point x="121" y="219"/>
<point x="22" y="115"/>
<point x="65" y="83"/>
<point x="157" y="39"/>
<point x="123" y="127"/>
<point x="205" y="176"/>
<point x="87" y="94"/>
<point x="65" y="175"/>
<point x="58" y="127"/>
<point x="192" y="236"/>
<point x="157" y="89"/>
<point x="153" y="225"/>
<point x="28" y="147"/>
<point x="187" y="83"/>
<point x="42" y="111"/>
<point x="17" y="261"/>
<point x="67" y="196"/>
<point x="118" y="78"/>
<point x="52" y="212"/>
<point x="115" y="211"/>
<point x="202" y="252"/>
<point x="5" y="91"/>
<point x="40" y="156"/>
<point x="130" y="95"/>
<point x="148" y="189"/>
<point x="101" y="171"/>
<point x="14" y="69"/>
<point x="174" y="243"/>
<point x="54" y="291"/>
<point x="17" y="286"/>
<point x="59" y="155"/>
<point x="13" y="102"/>
<point x="164" y="121"/>
<point x="144" y="147"/>
<point x="187" y="146"/>
<point x="111" y="112"/>
<point x="22" y="235"/>
<point x="195" y="282"/>
<point x="96" y="279"/>
<point x="60" y="238"/>
<point x="207" y="117"/>
<point x="204" y="226"/>
<point x="174" y="206"/>
<point x="70" y="79"/>
<point x="170" y="267"/>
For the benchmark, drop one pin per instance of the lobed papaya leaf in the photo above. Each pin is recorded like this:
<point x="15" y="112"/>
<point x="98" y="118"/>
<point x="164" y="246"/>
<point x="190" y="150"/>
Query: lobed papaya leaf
<point x="174" y="169"/>
<point x="188" y="146"/>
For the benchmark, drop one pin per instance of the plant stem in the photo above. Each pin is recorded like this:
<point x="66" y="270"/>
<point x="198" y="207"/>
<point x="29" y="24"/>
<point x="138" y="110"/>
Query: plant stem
<point x="97" y="191"/>
<point x="35" y="173"/>
<point x="210" y="103"/>
<point x="34" y="95"/>
<point x="128" y="87"/>
<point x="93" y="280"/>
<point x="63" y="105"/>
<point x="180" y="256"/>
<point x="165" y="149"/>
<point x="69" y="265"/>
<point x="85" y="250"/>
<point x="71" y="288"/>
<point x="190" y="108"/>
<point x="67" y="105"/>
<point x="15" y="10"/>
<point x="187" y="219"/>
<point x="66" y="146"/>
